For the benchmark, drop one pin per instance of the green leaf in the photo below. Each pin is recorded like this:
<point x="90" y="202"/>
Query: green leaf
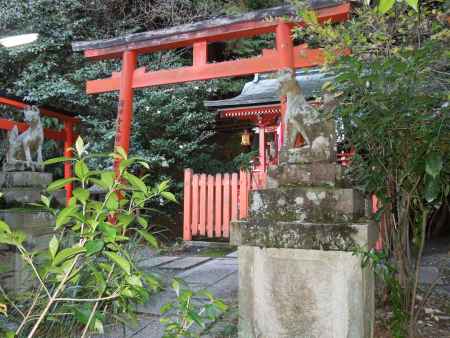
<point x="432" y="189"/>
<point x="119" y="260"/>
<point x="165" y="308"/>
<point x="58" y="184"/>
<point x="64" y="216"/>
<point x="142" y="221"/>
<point x="98" y="326"/>
<point x="385" y="5"/>
<point x="4" y="227"/>
<point x="149" y="238"/>
<point x="81" y="194"/>
<point x="108" y="177"/>
<point x="15" y="238"/>
<point x="413" y="4"/>
<point x="79" y="146"/>
<point x="109" y="231"/>
<point x="81" y="169"/>
<point x="94" y="246"/>
<point x="65" y="254"/>
<point x="169" y="196"/>
<point x="112" y="203"/>
<point x="57" y="160"/>
<point x="53" y="246"/>
<point x="45" y="200"/>
<point x="121" y="152"/>
<point x="136" y="182"/>
<point x="125" y="220"/>
<point x="134" y="280"/>
<point x="433" y="165"/>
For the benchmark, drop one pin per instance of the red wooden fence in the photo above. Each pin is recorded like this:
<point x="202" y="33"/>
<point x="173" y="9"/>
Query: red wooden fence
<point x="212" y="202"/>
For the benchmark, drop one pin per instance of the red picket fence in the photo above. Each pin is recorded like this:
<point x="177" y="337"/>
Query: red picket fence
<point x="212" y="202"/>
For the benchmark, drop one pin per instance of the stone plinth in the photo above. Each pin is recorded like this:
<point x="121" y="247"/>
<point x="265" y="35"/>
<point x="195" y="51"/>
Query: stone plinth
<point x="23" y="187"/>
<point x="306" y="204"/>
<point x="20" y="188"/>
<point x="295" y="293"/>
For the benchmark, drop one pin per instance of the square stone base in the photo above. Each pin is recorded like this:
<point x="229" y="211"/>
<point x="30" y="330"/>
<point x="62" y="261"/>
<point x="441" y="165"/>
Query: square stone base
<point x="292" y="293"/>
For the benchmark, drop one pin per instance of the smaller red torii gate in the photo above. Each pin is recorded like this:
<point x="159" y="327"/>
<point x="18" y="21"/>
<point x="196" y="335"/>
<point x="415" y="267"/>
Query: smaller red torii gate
<point x="65" y="135"/>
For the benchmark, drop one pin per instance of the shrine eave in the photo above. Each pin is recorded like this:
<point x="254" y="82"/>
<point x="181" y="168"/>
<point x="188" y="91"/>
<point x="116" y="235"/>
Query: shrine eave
<point x="217" y="29"/>
<point x="263" y="90"/>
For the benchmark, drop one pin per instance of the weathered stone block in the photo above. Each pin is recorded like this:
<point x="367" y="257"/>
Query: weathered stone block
<point x="32" y="222"/>
<point x="24" y="179"/>
<point x="310" y="174"/>
<point x="287" y="293"/>
<point x="307" y="204"/>
<point x="301" y="235"/>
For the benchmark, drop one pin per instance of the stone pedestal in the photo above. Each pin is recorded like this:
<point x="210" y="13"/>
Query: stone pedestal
<point x="20" y="188"/>
<point x="298" y="275"/>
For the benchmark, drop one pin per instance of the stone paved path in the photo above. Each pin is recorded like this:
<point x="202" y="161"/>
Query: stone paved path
<point x="218" y="275"/>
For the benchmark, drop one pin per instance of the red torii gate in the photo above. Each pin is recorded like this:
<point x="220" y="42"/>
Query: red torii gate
<point x="198" y="35"/>
<point x="66" y="135"/>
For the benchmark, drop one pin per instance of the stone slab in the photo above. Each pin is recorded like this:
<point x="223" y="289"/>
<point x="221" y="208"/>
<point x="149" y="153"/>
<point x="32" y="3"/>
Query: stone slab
<point x="30" y="221"/>
<point x="309" y="174"/>
<point x="234" y="254"/>
<point x="209" y="273"/>
<point x="185" y="263"/>
<point x="25" y="179"/>
<point x="302" y="235"/>
<point x="285" y="293"/>
<point x="156" y="261"/>
<point x="307" y="204"/>
<point x="22" y="195"/>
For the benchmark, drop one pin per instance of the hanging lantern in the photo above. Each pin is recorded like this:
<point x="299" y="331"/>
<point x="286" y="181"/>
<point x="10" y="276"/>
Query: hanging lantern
<point x="245" y="138"/>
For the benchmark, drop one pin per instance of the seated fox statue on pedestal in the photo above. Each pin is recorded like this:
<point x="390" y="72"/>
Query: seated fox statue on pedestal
<point x="309" y="136"/>
<point x="23" y="147"/>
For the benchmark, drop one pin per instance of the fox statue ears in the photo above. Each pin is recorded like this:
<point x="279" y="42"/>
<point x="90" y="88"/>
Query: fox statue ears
<point x="32" y="108"/>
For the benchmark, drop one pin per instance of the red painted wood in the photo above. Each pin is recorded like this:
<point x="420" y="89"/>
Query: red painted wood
<point x="44" y="112"/>
<point x="218" y="207"/>
<point x="243" y="194"/>
<point x="226" y="205"/>
<point x="230" y="32"/>
<point x="210" y="207"/>
<point x="200" y="53"/>
<point x="125" y="110"/>
<point x="285" y="46"/>
<point x="262" y="148"/>
<point x="261" y="64"/>
<point x="202" y="223"/>
<point x="195" y="205"/>
<point x="234" y="196"/>
<point x="68" y="143"/>
<point x="48" y="133"/>
<point x="187" y="233"/>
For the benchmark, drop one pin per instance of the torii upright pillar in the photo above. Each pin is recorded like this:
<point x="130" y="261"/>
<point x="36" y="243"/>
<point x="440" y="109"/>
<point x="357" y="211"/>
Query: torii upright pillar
<point x="285" y="48"/>
<point x="125" y="110"/>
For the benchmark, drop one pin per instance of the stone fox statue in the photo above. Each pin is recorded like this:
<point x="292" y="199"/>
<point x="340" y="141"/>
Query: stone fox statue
<point x="22" y="146"/>
<point x="308" y="136"/>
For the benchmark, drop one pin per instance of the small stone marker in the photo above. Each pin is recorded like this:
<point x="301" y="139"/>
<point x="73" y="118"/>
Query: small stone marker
<point x="185" y="263"/>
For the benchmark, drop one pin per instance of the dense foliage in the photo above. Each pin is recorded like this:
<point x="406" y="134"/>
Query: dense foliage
<point x="171" y="125"/>
<point x="394" y="110"/>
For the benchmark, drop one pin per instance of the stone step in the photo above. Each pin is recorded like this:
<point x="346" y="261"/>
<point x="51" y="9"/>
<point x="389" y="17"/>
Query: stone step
<point x="307" y="204"/>
<point x="302" y="235"/>
<point x="24" y="179"/>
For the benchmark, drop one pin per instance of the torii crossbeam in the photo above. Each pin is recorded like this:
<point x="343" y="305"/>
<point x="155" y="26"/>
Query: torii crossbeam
<point x="278" y="20"/>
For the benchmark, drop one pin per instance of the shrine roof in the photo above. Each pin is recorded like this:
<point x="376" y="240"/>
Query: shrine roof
<point x="264" y="88"/>
<point x="196" y="30"/>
